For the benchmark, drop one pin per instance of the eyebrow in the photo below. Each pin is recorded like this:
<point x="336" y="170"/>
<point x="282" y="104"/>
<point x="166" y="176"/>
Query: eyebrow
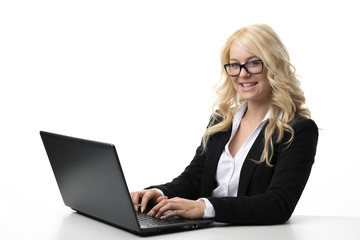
<point x="248" y="59"/>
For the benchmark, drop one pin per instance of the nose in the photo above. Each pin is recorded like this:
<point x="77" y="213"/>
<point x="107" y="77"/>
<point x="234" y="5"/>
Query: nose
<point x="244" y="73"/>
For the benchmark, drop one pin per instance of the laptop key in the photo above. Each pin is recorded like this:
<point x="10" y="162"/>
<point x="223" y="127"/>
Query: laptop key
<point x="146" y="220"/>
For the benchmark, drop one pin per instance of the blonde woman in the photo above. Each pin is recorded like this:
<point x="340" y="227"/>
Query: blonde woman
<point x="257" y="152"/>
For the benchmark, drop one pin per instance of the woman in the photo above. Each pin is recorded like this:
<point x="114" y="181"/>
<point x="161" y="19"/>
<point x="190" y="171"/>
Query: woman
<point x="257" y="152"/>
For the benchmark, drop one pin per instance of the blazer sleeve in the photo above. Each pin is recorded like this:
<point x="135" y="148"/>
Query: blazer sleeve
<point x="291" y="171"/>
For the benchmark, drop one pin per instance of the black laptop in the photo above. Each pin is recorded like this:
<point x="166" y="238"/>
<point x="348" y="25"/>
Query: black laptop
<point x="91" y="182"/>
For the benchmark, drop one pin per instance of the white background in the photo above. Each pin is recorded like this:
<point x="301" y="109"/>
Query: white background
<point x="140" y="75"/>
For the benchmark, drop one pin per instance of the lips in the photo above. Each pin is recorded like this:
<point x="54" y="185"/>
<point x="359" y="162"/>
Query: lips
<point x="246" y="85"/>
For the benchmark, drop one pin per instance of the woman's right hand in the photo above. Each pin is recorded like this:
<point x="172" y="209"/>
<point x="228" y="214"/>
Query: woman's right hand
<point x="146" y="196"/>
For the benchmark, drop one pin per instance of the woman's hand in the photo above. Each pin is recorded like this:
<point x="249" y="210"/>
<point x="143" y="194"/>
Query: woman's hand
<point x="146" y="196"/>
<point x="179" y="207"/>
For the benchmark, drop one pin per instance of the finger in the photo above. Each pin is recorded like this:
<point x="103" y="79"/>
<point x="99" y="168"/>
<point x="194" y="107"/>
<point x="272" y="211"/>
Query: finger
<point x="135" y="200"/>
<point x="144" y="201"/>
<point x="167" y="207"/>
<point x="171" y="214"/>
<point x="159" y="199"/>
<point x="149" y="195"/>
<point x="157" y="207"/>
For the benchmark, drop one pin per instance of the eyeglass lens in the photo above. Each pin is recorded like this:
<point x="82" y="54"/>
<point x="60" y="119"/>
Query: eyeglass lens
<point x="252" y="67"/>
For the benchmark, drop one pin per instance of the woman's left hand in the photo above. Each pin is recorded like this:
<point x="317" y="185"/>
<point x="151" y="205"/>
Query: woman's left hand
<point x="179" y="207"/>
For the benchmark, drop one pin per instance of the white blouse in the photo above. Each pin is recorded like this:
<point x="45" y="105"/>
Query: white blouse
<point x="229" y="167"/>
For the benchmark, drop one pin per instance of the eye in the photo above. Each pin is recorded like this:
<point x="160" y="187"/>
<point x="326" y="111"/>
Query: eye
<point x="253" y="63"/>
<point x="234" y="65"/>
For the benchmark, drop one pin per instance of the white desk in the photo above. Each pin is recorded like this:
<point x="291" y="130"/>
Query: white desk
<point x="76" y="226"/>
<point x="67" y="225"/>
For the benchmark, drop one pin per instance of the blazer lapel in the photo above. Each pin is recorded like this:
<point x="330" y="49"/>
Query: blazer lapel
<point x="249" y="165"/>
<point x="212" y="161"/>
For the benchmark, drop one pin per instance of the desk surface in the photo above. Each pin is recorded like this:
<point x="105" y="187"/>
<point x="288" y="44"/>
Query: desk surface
<point x="65" y="224"/>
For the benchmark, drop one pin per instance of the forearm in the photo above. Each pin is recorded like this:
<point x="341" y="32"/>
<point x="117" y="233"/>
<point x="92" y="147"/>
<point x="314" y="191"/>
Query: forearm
<point x="261" y="209"/>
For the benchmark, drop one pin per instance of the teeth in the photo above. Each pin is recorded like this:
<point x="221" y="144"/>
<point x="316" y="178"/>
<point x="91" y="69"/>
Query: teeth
<point x="248" y="84"/>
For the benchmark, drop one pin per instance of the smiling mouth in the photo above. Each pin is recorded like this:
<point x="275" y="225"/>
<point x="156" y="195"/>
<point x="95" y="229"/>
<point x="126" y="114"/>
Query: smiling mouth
<point x="248" y="84"/>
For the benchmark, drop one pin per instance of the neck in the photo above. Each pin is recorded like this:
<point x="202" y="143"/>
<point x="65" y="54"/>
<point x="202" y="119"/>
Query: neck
<point x="256" y="112"/>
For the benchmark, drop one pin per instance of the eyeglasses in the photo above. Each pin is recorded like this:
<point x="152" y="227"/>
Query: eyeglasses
<point x="252" y="67"/>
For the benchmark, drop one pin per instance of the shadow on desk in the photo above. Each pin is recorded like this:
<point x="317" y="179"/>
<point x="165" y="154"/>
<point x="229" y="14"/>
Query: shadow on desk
<point x="76" y="226"/>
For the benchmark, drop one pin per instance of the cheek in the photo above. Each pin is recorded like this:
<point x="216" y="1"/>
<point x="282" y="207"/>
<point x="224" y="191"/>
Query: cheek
<point x="268" y="88"/>
<point x="264" y="80"/>
<point x="267" y="84"/>
<point x="234" y="81"/>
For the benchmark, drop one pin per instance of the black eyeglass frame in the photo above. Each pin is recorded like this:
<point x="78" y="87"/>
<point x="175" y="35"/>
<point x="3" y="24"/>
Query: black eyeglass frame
<point x="244" y="66"/>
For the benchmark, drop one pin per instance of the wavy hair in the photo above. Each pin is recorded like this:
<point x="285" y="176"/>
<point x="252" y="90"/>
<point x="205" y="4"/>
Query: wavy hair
<point x="286" y="97"/>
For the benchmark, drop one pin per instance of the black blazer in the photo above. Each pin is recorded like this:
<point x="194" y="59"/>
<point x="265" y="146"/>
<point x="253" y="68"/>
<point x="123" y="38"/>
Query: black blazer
<point x="266" y="195"/>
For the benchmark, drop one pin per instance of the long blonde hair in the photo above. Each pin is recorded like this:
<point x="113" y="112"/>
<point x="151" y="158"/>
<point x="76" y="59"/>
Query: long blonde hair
<point x="286" y="97"/>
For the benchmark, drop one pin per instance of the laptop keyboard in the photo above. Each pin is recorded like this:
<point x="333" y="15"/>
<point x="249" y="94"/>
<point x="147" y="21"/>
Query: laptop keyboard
<point x="146" y="220"/>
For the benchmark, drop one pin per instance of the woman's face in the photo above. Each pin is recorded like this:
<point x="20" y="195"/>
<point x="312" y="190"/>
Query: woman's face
<point x="251" y="87"/>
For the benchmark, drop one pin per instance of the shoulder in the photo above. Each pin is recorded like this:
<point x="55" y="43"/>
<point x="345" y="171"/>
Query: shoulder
<point x="300" y="123"/>
<point x="215" y="118"/>
<point x="219" y="117"/>
<point x="298" y="145"/>
<point x="304" y="133"/>
<point x="302" y="129"/>
<point x="217" y="126"/>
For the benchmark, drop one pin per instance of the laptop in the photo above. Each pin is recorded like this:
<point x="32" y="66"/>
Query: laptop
<point x="92" y="183"/>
